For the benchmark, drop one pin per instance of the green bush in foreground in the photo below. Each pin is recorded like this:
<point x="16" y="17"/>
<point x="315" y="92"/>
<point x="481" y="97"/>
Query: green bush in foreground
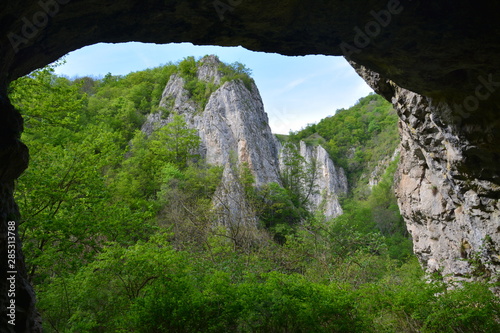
<point x="406" y="302"/>
<point x="150" y="287"/>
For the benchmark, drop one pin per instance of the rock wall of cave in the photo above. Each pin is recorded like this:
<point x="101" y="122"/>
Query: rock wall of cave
<point x="451" y="211"/>
<point x="17" y="298"/>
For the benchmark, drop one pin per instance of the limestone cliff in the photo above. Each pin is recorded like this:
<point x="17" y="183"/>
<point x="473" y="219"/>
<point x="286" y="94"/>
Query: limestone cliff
<point x="451" y="212"/>
<point x="234" y="131"/>
<point x="233" y="124"/>
<point x="329" y="181"/>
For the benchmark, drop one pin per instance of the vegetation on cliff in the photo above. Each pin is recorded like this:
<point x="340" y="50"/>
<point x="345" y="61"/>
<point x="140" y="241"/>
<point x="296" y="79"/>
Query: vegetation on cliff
<point x="363" y="140"/>
<point x="118" y="228"/>
<point x="357" y="138"/>
<point x="200" y="90"/>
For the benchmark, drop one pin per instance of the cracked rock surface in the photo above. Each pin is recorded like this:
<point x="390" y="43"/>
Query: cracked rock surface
<point x="451" y="211"/>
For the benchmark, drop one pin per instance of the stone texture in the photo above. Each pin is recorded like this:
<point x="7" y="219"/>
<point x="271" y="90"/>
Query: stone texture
<point x="381" y="167"/>
<point x="234" y="131"/>
<point x="415" y="38"/>
<point x="330" y="181"/>
<point x="13" y="161"/>
<point x="451" y="212"/>
<point x="233" y="124"/>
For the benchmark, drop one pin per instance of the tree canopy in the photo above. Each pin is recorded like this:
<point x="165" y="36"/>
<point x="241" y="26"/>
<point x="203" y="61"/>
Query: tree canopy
<point x="119" y="228"/>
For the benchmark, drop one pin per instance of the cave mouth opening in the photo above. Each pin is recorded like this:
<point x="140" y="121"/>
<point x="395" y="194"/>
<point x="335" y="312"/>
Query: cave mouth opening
<point x="316" y="76"/>
<point x="417" y="61"/>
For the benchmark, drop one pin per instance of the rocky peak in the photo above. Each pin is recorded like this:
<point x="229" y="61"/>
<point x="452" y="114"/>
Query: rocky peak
<point x="233" y="125"/>
<point x="452" y="214"/>
<point x="234" y="122"/>
<point x="234" y="131"/>
<point x="329" y="182"/>
<point x="208" y="69"/>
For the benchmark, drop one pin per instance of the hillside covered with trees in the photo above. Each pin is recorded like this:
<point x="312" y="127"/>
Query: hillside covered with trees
<point x="119" y="235"/>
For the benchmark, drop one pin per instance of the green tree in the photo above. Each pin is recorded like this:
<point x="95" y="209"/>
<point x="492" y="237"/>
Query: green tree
<point x="297" y="175"/>
<point x="142" y="174"/>
<point x="63" y="196"/>
<point x="187" y="204"/>
<point x="175" y="142"/>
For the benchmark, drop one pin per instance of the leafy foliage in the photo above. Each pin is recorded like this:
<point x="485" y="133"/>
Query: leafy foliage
<point x="284" y="207"/>
<point x="120" y="235"/>
<point x="200" y="90"/>
<point x="237" y="71"/>
<point x="66" y="188"/>
<point x="356" y="138"/>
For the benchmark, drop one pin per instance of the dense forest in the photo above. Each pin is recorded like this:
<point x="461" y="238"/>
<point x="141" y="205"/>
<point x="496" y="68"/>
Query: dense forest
<point x="119" y="235"/>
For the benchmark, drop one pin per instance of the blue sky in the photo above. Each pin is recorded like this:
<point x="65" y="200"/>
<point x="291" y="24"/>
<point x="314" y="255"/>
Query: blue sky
<point x="296" y="90"/>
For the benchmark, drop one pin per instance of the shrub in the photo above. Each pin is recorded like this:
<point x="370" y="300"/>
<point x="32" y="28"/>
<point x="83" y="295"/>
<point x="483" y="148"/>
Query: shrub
<point x="469" y="308"/>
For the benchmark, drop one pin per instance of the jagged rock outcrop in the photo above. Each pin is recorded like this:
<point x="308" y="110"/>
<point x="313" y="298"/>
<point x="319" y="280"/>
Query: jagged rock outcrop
<point x="451" y="212"/>
<point x="329" y="181"/>
<point x="233" y="124"/>
<point x="234" y="131"/>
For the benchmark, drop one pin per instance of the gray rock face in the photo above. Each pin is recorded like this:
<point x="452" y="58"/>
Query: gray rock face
<point x="233" y="124"/>
<point x="452" y="213"/>
<point x="454" y="219"/>
<point x="329" y="181"/>
<point x="421" y="49"/>
<point x="234" y="131"/>
<point x="209" y="70"/>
